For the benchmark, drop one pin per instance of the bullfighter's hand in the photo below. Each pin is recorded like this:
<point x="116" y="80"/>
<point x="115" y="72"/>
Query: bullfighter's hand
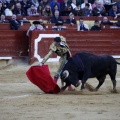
<point x="41" y="64"/>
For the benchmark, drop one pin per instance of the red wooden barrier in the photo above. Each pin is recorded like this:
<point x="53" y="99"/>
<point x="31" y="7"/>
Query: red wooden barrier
<point x="6" y="26"/>
<point x="98" y="42"/>
<point x="16" y="43"/>
<point x="110" y="27"/>
<point x="13" y="43"/>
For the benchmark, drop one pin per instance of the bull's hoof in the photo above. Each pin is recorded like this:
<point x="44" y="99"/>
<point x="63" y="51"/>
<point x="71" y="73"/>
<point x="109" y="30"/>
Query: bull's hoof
<point x="114" y="91"/>
<point x="89" y="87"/>
<point x="94" y="90"/>
<point x="61" y="90"/>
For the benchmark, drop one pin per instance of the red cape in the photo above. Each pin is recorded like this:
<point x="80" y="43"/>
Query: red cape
<point x="40" y="76"/>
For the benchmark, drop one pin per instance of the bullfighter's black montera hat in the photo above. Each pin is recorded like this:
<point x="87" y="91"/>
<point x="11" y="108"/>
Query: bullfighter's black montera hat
<point x="57" y="39"/>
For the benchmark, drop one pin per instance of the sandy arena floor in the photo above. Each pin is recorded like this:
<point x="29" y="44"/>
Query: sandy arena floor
<point x="21" y="100"/>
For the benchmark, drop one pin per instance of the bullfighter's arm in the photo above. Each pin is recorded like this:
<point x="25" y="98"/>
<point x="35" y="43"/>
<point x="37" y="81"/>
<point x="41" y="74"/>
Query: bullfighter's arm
<point x="52" y="49"/>
<point x="47" y="57"/>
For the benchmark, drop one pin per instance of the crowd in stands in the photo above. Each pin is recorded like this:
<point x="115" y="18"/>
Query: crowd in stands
<point x="65" y="7"/>
<point x="55" y="9"/>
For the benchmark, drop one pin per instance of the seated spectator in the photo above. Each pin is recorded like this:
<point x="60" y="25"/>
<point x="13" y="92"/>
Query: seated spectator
<point x="96" y="26"/>
<point x="101" y="1"/>
<point x="35" y="27"/>
<point x="55" y="8"/>
<point x="26" y="4"/>
<point x="87" y="11"/>
<point x="56" y="17"/>
<point x="94" y="4"/>
<point x="3" y="20"/>
<point x="107" y="2"/>
<point x="99" y="10"/>
<point x="44" y="3"/>
<point x="78" y="11"/>
<point x="53" y="3"/>
<point x="40" y="10"/>
<point x="10" y="10"/>
<point x="32" y="11"/>
<point x="75" y="9"/>
<point x="114" y="11"/>
<point x="58" y="27"/>
<point x="5" y="4"/>
<point x="73" y="6"/>
<point x="60" y="1"/>
<point x="19" y="11"/>
<point x="83" y="4"/>
<point x="91" y="1"/>
<point x="41" y="22"/>
<point x="1" y="9"/>
<point x="14" y="23"/>
<point x="35" y="2"/>
<point x="14" y="2"/>
<point x="108" y="5"/>
<point x="65" y="8"/>
<point x="71" y="20"/>
<point x="118" y="5"/>
<point x="47" y="11"/>
<point x="82" y="26"/>
<point x="105" y="21"/>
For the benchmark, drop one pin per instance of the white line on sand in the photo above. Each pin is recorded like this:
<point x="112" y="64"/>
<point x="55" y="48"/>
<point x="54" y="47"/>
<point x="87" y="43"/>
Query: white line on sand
<point x="19" y="96"/>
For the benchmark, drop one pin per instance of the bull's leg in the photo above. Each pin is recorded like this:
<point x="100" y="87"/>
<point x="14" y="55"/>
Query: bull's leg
<point x="64" y="87"/>
<point x="114" y="82"/>
<point x="112" y="73"/>
<point x="84" y="79"/>
<point x="101" y="81"/>
<point x="70" y="88"/>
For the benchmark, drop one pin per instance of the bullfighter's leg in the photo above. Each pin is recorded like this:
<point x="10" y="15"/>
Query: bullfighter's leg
<point x="101" y="81"/>
<point x="62" y="83"/>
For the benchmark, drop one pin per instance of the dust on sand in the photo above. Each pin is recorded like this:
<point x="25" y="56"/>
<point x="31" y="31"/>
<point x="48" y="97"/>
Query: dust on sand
<point x="21" y="100"/>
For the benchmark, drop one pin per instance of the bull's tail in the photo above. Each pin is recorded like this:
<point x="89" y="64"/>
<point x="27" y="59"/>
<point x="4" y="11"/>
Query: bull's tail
<point x="118" y="63"/>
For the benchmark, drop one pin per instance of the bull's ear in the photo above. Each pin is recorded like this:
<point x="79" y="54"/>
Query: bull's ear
<point x="65" y="74"/>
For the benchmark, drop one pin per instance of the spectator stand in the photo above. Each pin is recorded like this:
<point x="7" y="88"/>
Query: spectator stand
<point x="88" y="20"/>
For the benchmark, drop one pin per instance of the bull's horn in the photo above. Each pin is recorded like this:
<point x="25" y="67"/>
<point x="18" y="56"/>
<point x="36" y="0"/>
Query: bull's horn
<point x="65" y="74"/>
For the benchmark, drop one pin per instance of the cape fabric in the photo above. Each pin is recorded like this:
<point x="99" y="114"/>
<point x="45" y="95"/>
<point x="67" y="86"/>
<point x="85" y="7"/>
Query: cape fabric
<point x="40" y="76"/>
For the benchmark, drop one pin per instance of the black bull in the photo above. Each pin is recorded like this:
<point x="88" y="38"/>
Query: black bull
<point x="85" y="65"/>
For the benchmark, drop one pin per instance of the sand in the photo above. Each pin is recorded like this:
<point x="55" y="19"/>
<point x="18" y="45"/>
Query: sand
<point x="21" y="100"/>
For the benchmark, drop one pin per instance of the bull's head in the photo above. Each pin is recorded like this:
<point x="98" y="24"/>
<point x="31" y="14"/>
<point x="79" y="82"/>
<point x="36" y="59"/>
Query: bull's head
<point x="70" y="78"/>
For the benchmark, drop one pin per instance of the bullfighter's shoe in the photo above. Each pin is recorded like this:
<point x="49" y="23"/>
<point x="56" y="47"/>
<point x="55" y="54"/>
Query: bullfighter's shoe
<point x="70" y="88"/>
